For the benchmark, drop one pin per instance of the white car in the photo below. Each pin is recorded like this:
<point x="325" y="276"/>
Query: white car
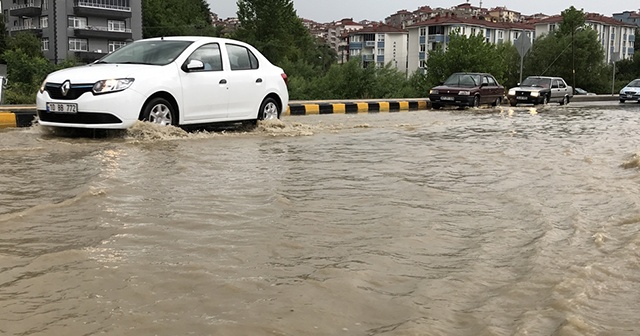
<point x="169" y="81"/>
<point x="631" y="91"/>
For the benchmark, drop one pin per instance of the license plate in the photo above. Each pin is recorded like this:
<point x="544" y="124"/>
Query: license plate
<point x="629" y="96"/>
<point x="522" y="98"/>
<point x="62" y="107"/>
<point x="447" y="98"/>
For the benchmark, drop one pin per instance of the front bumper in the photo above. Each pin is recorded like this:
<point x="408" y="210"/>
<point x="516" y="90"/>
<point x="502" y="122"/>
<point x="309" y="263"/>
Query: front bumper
<point x="457" y="100"/>
<point x="525" y="99"/>
<point x="118" y="110"/>
<point x="630" y="96"/>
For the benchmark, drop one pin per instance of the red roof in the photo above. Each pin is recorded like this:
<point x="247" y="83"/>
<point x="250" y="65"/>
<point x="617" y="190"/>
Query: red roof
<point x="380" y="28"/>
<point x="452" y="20"/>
<point x="589" y="17"/>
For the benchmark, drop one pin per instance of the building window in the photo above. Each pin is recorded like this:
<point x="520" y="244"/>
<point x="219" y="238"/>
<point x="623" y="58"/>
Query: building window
<point x="77" y="22"/>
<point x="44" y="22"/>
<point x="423" y="48"/>
<point x="115" y="25"/>
<point x="45" y="4"/>
<point x="380" y="37"/>
<point x="423" y="31"/>
<point x="45" y="44"/>
<point x="76" y="44"/>
<point x="380" y="51"/>
<point x="115" y="45"/>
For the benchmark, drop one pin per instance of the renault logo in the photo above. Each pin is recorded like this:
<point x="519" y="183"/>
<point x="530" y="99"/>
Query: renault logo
<point x="66" y="86"/>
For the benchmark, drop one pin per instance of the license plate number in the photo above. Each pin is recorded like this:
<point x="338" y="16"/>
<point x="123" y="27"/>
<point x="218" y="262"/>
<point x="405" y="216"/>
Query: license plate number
<point x="62" y="107"/>
<point x="522" y="98"/>
<point x="447" y="98"/>
<point x="629" y="96"/>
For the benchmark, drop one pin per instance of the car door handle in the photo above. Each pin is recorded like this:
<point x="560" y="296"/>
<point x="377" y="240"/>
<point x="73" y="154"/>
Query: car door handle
<point x="259" y="80"/>
<point x="223" y="81"/>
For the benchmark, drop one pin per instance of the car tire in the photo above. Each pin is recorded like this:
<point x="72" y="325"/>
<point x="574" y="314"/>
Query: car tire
<point x="622" y="101"/>
<point x="498" y="102"/>
<point x="160" y="111"/>
<point x="269" y="110"/>
<point x="565" y="101"/>
<point x="476" y="101"/>
<point x="435" y="106"/>
<point x="513" y="103"/>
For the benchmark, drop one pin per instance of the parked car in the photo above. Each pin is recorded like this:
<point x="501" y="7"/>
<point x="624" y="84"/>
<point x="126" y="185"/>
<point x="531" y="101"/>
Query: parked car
<point x="582" y="92"/>
<point x="541" y="90"/>
<point x="168" y="81"/>
<point x="467" y="89"/>
<point x="631" y="91"/>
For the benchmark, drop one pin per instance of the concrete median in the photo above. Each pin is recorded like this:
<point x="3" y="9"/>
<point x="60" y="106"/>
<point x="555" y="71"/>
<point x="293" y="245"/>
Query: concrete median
<point x="24" y="115"/>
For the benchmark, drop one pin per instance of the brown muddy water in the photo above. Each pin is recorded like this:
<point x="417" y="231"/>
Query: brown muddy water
<point x="476" y="222"/>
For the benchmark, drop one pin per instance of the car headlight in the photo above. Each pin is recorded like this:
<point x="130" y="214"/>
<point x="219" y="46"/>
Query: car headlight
<point x="112" y="85"/>
<point x="464" y="93"/>
<point x="43" y="85"/>
<point x="535" y="94"/>
<point x="434" y="92"/>
<point x="512" y="92"/>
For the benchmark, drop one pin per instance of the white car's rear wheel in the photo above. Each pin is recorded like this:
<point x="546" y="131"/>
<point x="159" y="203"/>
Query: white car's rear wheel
<point x="159" y="111"/>
<point x="269" y="110"/>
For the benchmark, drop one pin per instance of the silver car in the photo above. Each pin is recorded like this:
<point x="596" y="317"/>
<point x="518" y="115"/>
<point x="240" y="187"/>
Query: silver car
<point x="631" y="91"/>
<point x="541" y="90"/>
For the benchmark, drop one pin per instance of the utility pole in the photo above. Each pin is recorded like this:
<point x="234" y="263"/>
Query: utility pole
<point x="573" y="56"/>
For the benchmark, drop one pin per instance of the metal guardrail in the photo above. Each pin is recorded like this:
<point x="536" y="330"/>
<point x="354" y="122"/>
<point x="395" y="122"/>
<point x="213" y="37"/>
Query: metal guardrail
<point x="102" y="28"/>
<point x="24" y="6"/>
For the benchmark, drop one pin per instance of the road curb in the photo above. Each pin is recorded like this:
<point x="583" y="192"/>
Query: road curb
<point x="17" y="118"/>
<point x="355" y="107"/>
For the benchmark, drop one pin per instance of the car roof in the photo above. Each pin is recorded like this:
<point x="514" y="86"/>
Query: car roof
<point x="544" y="77"/>
<point x="190" y="38"/>
<point x="472" y="73"/>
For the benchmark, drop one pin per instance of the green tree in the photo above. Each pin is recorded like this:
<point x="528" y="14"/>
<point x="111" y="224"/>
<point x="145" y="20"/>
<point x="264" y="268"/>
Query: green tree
<point x="275" y="29"/>
<point x="573" y="46"/>
<point x="26" y="68"/>
<point x="472" y="54"/>
<point x="3" y="38"/>
<point x="176" y="17"/>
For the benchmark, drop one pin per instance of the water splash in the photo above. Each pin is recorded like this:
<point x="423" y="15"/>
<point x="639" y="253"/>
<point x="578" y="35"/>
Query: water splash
<point x="632" y="162"/>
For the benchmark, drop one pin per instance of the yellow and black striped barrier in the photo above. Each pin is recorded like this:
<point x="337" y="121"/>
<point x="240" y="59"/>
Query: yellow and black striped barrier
<point x="355" y="107"/>
<point x="17" y="118"/>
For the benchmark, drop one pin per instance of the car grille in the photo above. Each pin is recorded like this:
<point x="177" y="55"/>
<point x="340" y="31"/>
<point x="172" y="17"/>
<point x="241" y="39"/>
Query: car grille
<point x="75" y="91"/>
<point x="523" y="93"/>
<point x="631" y="93"/>
<point x="79" y="118"/>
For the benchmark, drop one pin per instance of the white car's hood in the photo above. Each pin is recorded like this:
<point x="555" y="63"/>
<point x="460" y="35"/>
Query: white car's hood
<point x="528" y="88"/>
<point x="89" y="74"/>
<point x="630" y="89"/>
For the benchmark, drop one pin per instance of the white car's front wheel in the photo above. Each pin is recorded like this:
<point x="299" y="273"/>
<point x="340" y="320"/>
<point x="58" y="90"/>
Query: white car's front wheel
<point x="159" y="111"/>
<point x="269" y="110"/>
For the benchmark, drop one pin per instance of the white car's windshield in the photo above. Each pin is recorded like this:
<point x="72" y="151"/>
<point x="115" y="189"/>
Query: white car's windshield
<point x="468" y="80"/>
<point x="635" y="83"/>
<point x="537" y="82"/>
<point x="156" y="52"/>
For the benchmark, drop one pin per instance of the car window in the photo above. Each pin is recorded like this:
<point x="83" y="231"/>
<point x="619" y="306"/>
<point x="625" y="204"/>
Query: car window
<point x="492" y="81"/>
<point x="635" y="83"/>
<point x="555" y="84"/>
<point x="154" y="52"/>
<point x="209" y="55"/>
<point x="466" y="80"/>
<point x="241" y="58"/>
<point x="485" y="80"/>
<point x="561" y="84"/>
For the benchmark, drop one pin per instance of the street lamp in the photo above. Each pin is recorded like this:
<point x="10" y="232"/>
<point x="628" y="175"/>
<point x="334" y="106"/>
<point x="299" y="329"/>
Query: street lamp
<point x="573" y="54"/>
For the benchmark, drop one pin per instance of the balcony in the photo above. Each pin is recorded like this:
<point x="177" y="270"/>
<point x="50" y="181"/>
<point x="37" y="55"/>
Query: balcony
<point x="89" y="56"/>
<point x="370" y="44"/>
<point x="380" y="45"/>
<point x="103" y="32"/>
<point x="93" y="8"/>
<point x="632" y="38"/>
<point x="355" y="45"/>
<point x="436" y="38"/>
<point x="367" y="57"/>
<point x="29" y="10"/>
<point x="423" y="39"/>
<point x="631" y="51"/>
<point x="28" y="29"/>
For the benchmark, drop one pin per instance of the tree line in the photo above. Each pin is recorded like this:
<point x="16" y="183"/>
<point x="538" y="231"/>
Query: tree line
<point x="275" y="29"/>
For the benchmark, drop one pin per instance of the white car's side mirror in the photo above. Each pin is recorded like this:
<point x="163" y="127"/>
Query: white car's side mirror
<point x="195" y="65"/>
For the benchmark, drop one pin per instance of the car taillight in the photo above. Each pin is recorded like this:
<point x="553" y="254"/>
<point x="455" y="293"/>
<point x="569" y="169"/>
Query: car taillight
<point x="285" y="78"/>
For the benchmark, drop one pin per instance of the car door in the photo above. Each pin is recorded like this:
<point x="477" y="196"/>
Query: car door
<point x="246" y="83"/>
<point x="496" y="90"/>
<point x="488" y="90"/>
<point x="204" y="87"/>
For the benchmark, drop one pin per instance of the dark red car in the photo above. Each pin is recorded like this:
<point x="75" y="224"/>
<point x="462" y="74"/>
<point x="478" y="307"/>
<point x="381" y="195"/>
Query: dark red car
<point x="467" y="89"/>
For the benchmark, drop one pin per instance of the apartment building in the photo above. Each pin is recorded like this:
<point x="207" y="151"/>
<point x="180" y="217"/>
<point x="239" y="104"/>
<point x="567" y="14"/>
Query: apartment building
<point x="617" y="37"/>
<point x="81" y="29"/>
<point x="629" y="17"/>
<point x="434" y="33"/>
<point x="380" y="44"/>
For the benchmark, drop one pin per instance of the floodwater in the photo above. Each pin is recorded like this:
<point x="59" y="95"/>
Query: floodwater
<point x="478" y="222"/>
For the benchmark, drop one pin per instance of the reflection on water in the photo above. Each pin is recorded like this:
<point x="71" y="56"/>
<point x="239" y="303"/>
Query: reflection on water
<point x="508" y="221"/>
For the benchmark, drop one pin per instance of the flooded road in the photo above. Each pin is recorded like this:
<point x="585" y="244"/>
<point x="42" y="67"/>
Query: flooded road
<point x="477" y="222"/>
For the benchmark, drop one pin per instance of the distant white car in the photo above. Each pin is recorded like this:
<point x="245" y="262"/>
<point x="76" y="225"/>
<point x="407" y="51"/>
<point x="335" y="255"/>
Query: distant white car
<point x="176" y="81"/>
<point x="631" y="91"/>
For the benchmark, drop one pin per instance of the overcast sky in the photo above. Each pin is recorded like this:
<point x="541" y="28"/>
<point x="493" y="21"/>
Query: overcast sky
<point x="378" y="10"/>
